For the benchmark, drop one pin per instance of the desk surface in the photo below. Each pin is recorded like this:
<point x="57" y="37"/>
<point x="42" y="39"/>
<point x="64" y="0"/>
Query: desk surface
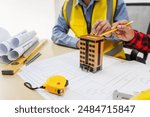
<point x="12" y="87"/>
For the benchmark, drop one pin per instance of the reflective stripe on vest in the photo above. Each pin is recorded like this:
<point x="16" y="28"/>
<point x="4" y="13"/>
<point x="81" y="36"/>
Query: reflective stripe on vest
<point x="109" y="10"/>
<point x="79" y="26"/>
<point x="68" y="10"/>
<point x="117" y="49"/>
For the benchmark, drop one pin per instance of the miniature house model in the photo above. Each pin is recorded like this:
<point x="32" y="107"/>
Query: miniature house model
<point x="91" y="53"/>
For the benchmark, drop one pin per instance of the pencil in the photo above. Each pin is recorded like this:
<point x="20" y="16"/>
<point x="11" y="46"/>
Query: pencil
<point x="113" y="30"/>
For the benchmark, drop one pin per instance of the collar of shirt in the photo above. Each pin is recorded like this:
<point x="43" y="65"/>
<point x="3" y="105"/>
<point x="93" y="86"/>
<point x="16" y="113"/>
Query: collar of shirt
<point x="83" y="4"/>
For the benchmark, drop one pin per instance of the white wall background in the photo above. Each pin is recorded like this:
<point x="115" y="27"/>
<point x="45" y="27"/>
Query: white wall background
<point x="38" y="15"/>
<point x="137" y="1"/>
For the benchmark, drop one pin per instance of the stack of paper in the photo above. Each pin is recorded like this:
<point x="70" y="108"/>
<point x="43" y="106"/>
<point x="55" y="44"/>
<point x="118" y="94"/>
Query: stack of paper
<point x="16" y="46"/>
<point x="128" y="77"/>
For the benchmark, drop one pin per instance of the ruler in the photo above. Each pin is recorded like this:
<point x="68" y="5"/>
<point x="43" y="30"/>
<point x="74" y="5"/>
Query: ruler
<point x="15" y="66"/>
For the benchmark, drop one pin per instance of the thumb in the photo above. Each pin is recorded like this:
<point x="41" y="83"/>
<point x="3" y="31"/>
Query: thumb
<point x="114" y="25"/>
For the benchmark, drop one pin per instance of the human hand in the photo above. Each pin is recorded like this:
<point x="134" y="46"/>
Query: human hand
<point x="125" y="33"/>
<point x="78" y="44"/>
<point x="101" y="26"/>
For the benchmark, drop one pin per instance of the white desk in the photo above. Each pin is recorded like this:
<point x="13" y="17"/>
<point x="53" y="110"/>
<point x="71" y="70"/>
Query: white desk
<point x="11" y="87"/>
<point x="117" y="74"/>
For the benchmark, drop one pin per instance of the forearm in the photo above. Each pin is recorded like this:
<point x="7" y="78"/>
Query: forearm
<point x="59" y="33"/>
<point x="60" y="37"/>
<point x="140" y="42"/>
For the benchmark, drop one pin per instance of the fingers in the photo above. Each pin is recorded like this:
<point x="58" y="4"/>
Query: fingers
<point x="101" y="26"/>
<point x="124" y="32"/>
<point x="95" y="26"/>
<point x="121" y="35"/>
<point x="119" y="23"/>
<point x="121" y="27"/>
<point x="78" y="44"/>
<point x="114" y="25"/>
<point x="123" y="22"/>
<point x="120" y="32"/>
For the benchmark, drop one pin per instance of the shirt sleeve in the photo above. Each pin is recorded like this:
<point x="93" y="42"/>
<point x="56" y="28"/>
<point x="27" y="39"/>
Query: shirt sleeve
<point x="141" y="42"/>
<point x="121" y="11"/>
<point x="121" y="14"/>
<point x="59" y="33"/>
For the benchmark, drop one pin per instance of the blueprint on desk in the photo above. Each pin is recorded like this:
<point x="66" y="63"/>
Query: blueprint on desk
<point x="124" y="76"/>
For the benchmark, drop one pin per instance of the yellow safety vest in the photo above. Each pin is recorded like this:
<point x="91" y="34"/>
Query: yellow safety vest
<point x="103" y="10"/>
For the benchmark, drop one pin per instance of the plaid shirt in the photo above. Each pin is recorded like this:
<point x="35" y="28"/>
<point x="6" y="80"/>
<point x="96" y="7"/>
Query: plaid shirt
<point x="141" y="42"/>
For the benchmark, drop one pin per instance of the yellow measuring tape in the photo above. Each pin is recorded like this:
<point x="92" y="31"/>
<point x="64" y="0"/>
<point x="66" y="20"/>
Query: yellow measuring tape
<point x="55" y="84"/>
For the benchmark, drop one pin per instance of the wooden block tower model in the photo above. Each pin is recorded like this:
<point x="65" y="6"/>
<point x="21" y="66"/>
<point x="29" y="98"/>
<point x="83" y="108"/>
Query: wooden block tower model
<point x="91" y="53"/>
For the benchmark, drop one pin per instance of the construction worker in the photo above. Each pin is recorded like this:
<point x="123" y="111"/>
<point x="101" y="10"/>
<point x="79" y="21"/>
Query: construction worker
<point x="90" y="16"/>
<point x="132" y="38"/>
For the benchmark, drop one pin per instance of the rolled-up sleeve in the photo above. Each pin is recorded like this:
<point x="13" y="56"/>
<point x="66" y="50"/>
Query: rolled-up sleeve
<point x="141" y="42"/>
<point x="59" y="33"/>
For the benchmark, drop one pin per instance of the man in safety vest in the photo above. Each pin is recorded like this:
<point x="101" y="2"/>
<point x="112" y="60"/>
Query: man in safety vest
<point x="87" y="16"/>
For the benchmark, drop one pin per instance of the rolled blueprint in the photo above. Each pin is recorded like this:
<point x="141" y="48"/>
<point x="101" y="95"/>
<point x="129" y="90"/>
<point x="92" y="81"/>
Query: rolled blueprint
<point x="4" y="35"/>
<point x="4" y="59"/>
<point x="17" y="52"/>
<point x="5" y="46"/>
<point x="18" y="40"/>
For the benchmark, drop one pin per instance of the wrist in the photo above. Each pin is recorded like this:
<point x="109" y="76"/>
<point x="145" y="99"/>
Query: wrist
<point x="132" y="35"/>
<point x="133" y="39"/>
<point x="78" y="44"/>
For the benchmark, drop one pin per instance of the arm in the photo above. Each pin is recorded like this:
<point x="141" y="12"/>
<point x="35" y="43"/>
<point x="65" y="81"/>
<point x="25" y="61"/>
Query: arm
<point x="131" y="38"/>
<point x="59" y="33"/>
<point x="140" y="42"/>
